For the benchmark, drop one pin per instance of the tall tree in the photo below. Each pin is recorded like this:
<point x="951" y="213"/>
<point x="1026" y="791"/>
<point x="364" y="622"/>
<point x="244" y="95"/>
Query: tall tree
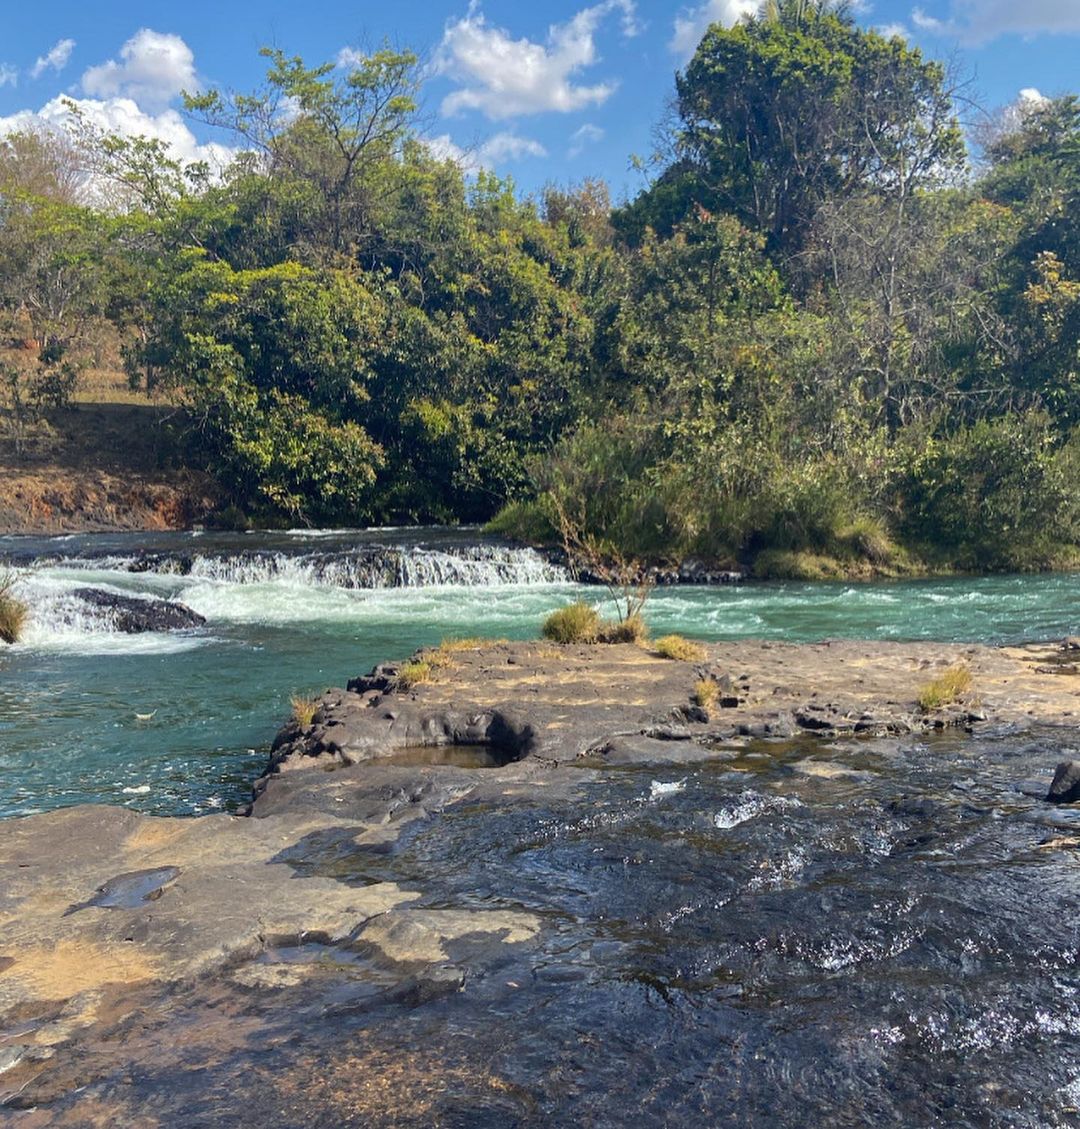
<point x="329" y="127"/>
<point x="780" y="115"/>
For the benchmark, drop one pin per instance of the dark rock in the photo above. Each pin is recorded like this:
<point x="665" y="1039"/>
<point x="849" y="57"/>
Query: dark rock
<point x="1071" y="643"/>
<point x="382" y="678"/>
<point x="133" y="615"/>
<point x="780" y="725"/>
<point x="1066" y="786"/>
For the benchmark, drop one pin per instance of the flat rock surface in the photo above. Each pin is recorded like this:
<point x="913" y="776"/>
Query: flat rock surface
<point x="560" y="704"/>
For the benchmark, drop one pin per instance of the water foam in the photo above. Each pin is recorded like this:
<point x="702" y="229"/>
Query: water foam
<point x="472" y="566"/>
<point x="60" y="621"/>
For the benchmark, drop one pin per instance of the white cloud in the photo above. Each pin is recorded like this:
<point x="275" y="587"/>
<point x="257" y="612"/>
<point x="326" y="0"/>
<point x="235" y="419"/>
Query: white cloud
<point x="893" y="31"/>
<point x="979" y="21"/>
<point x="497" y="149"/>
<point x="508" y="146"/>
<point x="153" y="69"/>
<point x="9" y="76"/>
<point x="503" y="77"/>
<point x="928" y="23"/>
<point x="349" y="57"/>
<point x="690" y="25"/>
<point x="582" y="138"/>
<point x="55" y="59"/>
<point x="123" y="116"/>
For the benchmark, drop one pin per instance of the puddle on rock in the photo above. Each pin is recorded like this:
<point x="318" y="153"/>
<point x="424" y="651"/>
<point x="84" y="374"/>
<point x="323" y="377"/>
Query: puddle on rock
<point x="456" y="756"/>
<point x="129" y="891"/>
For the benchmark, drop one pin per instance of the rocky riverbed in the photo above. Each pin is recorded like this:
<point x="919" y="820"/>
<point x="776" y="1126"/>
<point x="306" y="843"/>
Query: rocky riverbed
<point x="266" y="970"/>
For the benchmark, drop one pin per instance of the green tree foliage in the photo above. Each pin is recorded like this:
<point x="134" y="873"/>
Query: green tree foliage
<point x="778" y="115"/>
<point x="328" y="131"/>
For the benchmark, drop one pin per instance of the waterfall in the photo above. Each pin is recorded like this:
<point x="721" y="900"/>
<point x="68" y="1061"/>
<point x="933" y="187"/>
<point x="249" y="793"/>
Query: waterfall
<point x="365" y="568"/>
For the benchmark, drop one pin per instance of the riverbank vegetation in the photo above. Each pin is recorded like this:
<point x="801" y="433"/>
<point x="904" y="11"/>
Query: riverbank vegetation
<point x="835" y="335"/>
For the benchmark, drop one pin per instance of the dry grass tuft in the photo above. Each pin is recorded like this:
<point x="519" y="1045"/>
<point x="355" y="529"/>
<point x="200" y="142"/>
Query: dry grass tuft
<point x="576" y="623"/>
<point x="303" y="710"/>
<point x="943" y="691"/>
<point x="680" y="649"/>
<point x="455" y="646"/>
<point x="13" y="612"/>
<point x="706" y="693"/>
<point x="629" y="630"/>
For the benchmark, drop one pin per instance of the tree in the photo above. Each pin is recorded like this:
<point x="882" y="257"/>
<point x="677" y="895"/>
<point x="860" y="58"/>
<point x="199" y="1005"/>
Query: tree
<point x="327" y="127"/>
<point x="779" y="115"/>
<point x="274" y="365"/>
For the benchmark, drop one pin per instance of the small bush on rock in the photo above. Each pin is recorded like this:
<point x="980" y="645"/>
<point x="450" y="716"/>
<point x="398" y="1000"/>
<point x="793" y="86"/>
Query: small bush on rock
<point x="629" y="630"/>
<point x="303" y="710"/>
<point x="576" y="623"/>
<point x="943" y="691"/>
<point x="414" y="673"/>
<point x="680" y="649"/>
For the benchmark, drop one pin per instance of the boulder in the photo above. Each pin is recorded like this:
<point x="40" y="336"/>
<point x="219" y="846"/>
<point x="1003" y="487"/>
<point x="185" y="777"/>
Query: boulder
<point x="134" y="615"/>
<point x="1066" y="786"/>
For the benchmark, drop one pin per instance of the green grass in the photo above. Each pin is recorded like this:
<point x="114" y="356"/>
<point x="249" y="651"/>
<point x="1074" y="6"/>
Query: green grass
<point x="946" y="689"/>
<point x="524" y="521"/>
<point x="575" y="623"/>
<point x="680" y="649"/>
<point x="414" y="673"/>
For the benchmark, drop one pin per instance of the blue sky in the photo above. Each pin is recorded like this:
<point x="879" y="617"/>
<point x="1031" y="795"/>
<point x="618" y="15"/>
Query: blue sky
<point x="550" y="91"/>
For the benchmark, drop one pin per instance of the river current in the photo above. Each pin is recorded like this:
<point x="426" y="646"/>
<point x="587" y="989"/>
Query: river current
<point x="803" y="934"/>
<point x="180" y="723"/>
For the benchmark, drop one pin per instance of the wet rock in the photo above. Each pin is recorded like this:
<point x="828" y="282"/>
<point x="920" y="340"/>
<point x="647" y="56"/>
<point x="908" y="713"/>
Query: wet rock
<point x="779" y="725"/>
<point x="133" y="615"/>
<point x="1066" y="786"/>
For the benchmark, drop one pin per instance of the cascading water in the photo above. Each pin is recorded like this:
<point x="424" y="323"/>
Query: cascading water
<point x="376" y="567"/>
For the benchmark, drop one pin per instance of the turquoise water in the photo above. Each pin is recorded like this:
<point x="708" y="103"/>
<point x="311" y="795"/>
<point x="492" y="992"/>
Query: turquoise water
<point x="297" y="613"/>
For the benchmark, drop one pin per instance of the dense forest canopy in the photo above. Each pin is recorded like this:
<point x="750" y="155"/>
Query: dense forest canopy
<point x="823" y="333"/>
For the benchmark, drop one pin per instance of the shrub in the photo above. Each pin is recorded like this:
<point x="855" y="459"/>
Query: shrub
<point x="868" y="539"/>
<point x="303" y="710"/>
<point x="629" y="630"/>
<point x="524" y="521"/>
<point x="706" y="693"/>
<point x="994" y="494"/>
<point x="680" y="649"/>
<point x="783" y="564"/>
<point x="13" y="612"/>
<point x="414" y="673"/>
<point x="943" y="691"/>
<point x="576" y="623"/>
